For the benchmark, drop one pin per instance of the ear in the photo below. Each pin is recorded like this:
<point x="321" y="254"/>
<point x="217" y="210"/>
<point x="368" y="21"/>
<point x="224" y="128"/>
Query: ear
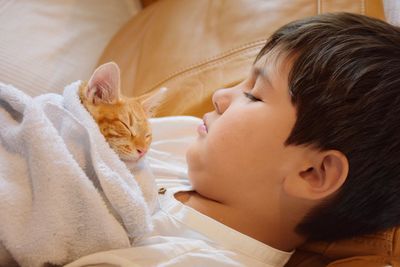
<point x="103" y="86"/>
<point x="152" y="101"/>
<point x="320" y="176"/>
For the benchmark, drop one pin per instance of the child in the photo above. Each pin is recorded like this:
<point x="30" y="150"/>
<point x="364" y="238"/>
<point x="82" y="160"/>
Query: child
<point x="306" y="148"/>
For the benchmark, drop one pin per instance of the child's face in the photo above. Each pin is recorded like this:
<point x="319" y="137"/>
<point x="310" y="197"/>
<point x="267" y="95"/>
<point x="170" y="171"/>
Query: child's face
<point x="242" y="155"/>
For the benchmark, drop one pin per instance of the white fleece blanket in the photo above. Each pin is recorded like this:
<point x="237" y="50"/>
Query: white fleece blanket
<point x="64" y="193"/>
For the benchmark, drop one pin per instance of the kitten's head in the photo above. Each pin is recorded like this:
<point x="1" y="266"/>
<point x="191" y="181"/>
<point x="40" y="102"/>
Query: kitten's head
<point x="123" y="121"/>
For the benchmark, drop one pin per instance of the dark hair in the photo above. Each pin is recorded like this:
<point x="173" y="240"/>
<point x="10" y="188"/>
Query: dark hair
<point x="345" y="85"/>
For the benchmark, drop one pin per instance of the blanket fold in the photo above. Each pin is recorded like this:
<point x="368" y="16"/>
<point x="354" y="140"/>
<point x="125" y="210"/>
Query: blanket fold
<point x="64" y="193"/>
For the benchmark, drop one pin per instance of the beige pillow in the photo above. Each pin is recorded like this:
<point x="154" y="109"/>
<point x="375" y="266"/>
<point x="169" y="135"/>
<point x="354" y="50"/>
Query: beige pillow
<point x="47" y="44"/>
<point x="392" y="11"/>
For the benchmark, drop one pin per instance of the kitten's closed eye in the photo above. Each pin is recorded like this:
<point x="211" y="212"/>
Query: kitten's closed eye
<point x="129" y="129"/>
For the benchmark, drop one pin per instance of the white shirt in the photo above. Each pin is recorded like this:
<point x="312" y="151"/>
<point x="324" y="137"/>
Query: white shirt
<point x="183" y="236"/>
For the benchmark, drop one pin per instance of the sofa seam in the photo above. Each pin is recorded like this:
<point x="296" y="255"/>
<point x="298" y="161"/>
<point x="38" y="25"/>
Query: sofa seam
<point x="207" y="65"/>
<point x="211" y="61"/>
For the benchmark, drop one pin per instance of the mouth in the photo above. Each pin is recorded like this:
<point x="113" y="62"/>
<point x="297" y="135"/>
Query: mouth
<point x="205" y="123"/>
<point x="202" y="129"/>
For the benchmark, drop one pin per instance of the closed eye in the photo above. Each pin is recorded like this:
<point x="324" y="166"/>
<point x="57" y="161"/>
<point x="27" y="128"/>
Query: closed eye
<point x="129" y="129"/>
<point x="126" y="126"/>
<point x="251" y="97"/>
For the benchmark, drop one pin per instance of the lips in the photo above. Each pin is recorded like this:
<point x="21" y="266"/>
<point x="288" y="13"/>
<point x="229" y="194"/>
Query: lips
<point x="202" y="129"/>
<point x="205" y="123"/>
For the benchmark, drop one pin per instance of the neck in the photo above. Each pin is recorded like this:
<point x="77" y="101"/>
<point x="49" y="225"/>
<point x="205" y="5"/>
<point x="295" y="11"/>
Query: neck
<point x="275" y="231"/>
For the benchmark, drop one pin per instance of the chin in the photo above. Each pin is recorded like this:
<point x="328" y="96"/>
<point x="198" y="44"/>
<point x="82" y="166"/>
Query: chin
<point x="128" y="158"/>
<point x="196" y="155"/>
<point x="189" y="156"/>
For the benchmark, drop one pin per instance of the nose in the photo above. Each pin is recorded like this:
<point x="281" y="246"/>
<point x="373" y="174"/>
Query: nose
<point x="222" y="98"/>
<point x="141" y="152"/>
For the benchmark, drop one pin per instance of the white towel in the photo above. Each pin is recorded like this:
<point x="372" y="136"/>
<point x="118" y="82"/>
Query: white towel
<point x="64" y="193"/>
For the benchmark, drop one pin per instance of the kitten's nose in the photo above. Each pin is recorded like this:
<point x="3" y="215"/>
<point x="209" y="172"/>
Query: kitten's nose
<point x="141" y="152"/>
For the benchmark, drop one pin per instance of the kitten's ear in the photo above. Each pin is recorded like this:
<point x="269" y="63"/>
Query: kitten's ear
<point x="103" y="86"/>
<point x="152" y="101"/>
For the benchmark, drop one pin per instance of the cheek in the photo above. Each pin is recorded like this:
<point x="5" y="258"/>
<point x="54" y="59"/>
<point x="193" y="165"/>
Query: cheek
<point x="211" y="157"/>
<point x="121" y="144"/>
<point x="148" y="142"/>
<point x="233" y="148"/>
<point x="231" y="141"/>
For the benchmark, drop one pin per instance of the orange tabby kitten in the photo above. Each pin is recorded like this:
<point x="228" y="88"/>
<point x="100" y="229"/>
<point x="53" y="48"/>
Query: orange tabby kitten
<point x="123" y="121"/>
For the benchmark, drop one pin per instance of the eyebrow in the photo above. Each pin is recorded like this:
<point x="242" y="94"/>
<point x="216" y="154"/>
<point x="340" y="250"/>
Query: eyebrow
<point x="261" y="72"/>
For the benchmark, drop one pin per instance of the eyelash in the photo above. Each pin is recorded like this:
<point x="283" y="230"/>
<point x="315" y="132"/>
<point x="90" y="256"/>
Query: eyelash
<point x="251" y="97"/>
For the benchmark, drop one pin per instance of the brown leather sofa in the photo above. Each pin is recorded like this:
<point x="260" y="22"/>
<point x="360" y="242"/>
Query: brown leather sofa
<point x="194" y="47"/>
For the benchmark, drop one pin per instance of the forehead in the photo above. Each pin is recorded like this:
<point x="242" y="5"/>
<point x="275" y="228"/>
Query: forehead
<point x="275" y="61"/>
<point x="275" y="66"/>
